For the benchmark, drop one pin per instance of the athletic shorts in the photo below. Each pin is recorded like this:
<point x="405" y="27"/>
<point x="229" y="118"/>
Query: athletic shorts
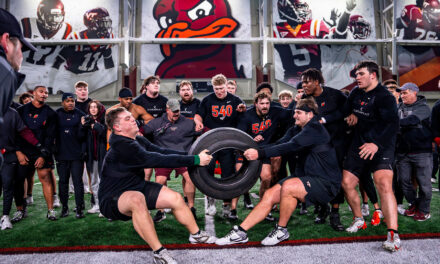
<point x="358" y="166"/>
<point x="167" y="171"/>
<point x="317" y="192"/>
<point x="109" y="206"/>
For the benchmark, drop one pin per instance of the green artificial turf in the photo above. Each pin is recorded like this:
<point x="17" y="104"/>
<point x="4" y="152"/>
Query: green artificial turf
<point x="37" y="231"/>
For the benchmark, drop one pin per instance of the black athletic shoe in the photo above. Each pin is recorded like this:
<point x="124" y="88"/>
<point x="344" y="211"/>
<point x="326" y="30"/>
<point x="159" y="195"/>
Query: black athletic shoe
<point x="79" y="214"/>
<point x="322" y="214"/>
<point x="64" y="211"/>
<point x="193" y="211"/>
<point x="159" y="217"/>
<point x="247" y="201"/>
<point x="335" y="222"/>
<point x="232" y="215"/>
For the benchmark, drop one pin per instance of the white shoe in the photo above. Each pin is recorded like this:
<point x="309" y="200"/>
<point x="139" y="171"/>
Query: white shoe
<point x="358" y="223"/>
<point x="94" y="209"/>
<point x="210" y="206"/>
<point x="56" y="201"/>
<point x="277" y="235"/>
<point x="29" y="200"/>
<point x="167" y="210"/>
<point x="6" y="223"/>
<point x="400" y="209"/>
<point x="365" y="209"/>
<point x="235" y="236"/>
<point x="203" y="237"/>
<point x="163" y="258"/>
<point x="101" y="215"/>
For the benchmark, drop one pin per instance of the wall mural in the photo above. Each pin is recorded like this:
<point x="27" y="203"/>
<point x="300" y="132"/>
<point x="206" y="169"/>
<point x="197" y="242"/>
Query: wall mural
<point x="313" y="19"/>
<point x="196" y="19"/>
<point x="60" y="66"/>
<point x="419" y="20"/>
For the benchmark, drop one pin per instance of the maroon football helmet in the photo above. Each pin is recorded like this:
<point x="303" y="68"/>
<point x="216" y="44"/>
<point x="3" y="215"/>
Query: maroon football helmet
<point x="359" y="27"/>
<point x="98" y="20"/>
<point x="50" y="14"/>
<point x="294" y="10"/>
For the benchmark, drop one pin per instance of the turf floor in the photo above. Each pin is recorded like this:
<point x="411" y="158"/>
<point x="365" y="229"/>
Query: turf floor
<point x="37" y="231"/>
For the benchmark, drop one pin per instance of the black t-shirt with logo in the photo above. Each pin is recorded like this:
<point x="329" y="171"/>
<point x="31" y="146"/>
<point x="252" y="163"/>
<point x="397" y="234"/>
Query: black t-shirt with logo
<point x="154" y="106"/>
<point x="189" y="110"/>
<point x="219" y="112"/>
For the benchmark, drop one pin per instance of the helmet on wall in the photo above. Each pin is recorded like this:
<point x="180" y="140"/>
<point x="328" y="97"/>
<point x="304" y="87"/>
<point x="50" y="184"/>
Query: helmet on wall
<point x="98" y="20"/>
<point x="50" y="14"/>
<point x="359" y="27"/>
<point x="294" y="10"/>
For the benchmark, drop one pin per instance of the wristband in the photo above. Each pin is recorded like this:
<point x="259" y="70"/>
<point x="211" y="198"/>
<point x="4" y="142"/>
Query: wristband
<point x="196" y="160"/>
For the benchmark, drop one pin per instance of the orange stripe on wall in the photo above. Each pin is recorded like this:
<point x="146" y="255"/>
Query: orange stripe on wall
<point x="422" y="74"/>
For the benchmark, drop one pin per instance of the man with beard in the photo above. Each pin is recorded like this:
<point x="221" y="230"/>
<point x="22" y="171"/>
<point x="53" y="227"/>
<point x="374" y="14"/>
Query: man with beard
<point x="188" y="104"/>
<point x="153" y="102"/>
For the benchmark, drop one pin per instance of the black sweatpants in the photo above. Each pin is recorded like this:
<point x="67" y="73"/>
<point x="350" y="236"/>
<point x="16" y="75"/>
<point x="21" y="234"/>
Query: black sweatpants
<point x="226" y="158"/>
<point x="75" y="168"/>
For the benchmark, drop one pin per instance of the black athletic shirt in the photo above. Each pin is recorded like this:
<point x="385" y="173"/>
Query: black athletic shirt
<point x="70" y="141"/>
<point x="189" y="110"/>
<point x="317" y="158"/>
<point x="124" y="163"/>
<point x="266" y="126"/>
<point x="83" y="105"/>
<point x="331" y="107"/>
<point x="219" y="112"/>
<point x="378" y="121"/>
<point x="12" y="124"/>
<point x="154" y="106"/>
<point x="43" y="123"/>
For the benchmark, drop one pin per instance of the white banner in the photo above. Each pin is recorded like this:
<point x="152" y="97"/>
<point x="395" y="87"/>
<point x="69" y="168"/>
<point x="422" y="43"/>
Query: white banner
<point x="59" y="67"/>
<point x="196" y="19"/>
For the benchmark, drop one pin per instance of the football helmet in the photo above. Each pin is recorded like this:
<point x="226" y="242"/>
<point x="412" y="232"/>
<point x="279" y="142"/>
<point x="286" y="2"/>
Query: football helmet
<point x="50" y="14"/>
<point x="98" y="20"/>
<point x="294" y="10"/>
<point x="359" y="27"/>
<point x="431" y="12"/>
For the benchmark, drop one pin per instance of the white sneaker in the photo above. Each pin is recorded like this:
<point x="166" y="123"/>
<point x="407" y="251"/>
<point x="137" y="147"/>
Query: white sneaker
<point x="101" y="215"/>
<point x="56" y="201"/>
<point x="349" y="208"/>
<point x="210" y="206"/>
<point x="94" y="209"/>
<point x="277" y="235"/>
<point x="392" y="243"/>
<point x="163" y="258"/>
<point x="358" y="223"/>
<point x="203" y="237"/>
<point x="400" y="209"/>
<point x="6" y="223"/>
<point x="29" y="200"/>
<point x="365" y="209"/>
<point x="235" y="236"/>
<point x="167" y="210"/>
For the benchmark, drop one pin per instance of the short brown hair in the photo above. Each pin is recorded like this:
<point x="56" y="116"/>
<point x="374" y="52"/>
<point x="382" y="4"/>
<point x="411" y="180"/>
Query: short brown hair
<point x="308" y="102"/>
<point x="261" y="96"/>
<point x="24" y="96"/>
<point x="232" y="82"/>
<point x="284" y="93"/>
<point x="81" y="84"/>
<point x="150" y="79"/>
<point x="312" y="74"/>
<point x="39" y="86"/>
<point x="185" y="82"/>
<point x="111" y="118"/>
<point x="371" y="67"/>
<point x="219" y="79"/>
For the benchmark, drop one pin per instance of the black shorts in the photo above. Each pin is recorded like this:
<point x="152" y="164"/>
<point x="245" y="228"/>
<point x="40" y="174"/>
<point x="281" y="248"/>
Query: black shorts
<point x="109" y="206"/>
<point x="358" y="166"/>
<point x="317" y="192"/>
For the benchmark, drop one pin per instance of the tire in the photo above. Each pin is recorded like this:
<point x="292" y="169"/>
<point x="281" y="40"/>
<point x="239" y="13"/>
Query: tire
<point x="239" y="183"/>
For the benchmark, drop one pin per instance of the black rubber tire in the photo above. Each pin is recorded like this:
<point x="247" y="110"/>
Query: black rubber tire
<point x="236" y="185"/>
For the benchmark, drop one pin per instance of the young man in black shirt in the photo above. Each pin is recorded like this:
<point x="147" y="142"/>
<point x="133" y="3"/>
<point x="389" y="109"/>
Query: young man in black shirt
<point x="123" y="192"/>
<point x="41" y="119"/>
<point x="372" y="111"/>
<point x="188" y="104"/>
<point x="153" y="102"/>
<point x="317" y="176"/>
<point x="70" y="154"/>
<point x="219" y="109"/>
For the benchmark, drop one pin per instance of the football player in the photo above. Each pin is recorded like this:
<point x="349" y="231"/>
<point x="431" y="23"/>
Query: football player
<point x="420" y="21"/>
<point x="84" y="58"/>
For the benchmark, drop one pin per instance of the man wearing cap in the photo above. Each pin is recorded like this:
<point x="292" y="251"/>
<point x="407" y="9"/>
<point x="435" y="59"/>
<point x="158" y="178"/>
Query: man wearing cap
<point x="12" y="44"/>
<point x="126" y="100"/>
<point x="173" y="131"/>
<point x="414" y="151"/>
<point x="42" y="120"/>
<point x="70" y="153"/>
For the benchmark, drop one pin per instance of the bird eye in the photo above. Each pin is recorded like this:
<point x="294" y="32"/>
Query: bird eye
<point x="165" y="21"/>
<point x="201" y="10"/>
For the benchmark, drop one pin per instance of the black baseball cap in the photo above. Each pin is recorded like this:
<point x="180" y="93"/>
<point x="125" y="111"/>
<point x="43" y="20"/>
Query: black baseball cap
<point x="9" y="24"/>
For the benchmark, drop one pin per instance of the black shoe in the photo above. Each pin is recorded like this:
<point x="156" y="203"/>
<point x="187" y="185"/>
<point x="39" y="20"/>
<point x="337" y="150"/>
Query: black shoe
<point x="232" y="215"/>
<point x="270" y="217"/>
<point x="247" y="201"/>
<point x="335" y="222"/>
<point x="64" y="211"/>
<point x="322" y="214"/>
<point x="79" y="214"/>
<point x="159" y="217"/>
<point x="193" y="211"/>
